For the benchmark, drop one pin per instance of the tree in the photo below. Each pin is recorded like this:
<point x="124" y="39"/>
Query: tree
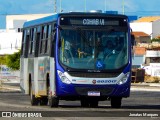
<point x="13" y="61"/>
<point x="155" y="40"/>
<point x="3" y="60"/>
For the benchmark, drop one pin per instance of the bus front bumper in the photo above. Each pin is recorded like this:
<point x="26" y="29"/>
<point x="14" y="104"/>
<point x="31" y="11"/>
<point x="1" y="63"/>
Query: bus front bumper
<point x="97" y="90"/>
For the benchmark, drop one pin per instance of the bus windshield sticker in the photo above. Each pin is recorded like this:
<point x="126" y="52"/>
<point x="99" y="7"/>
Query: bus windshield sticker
<point x="99" y="64"/>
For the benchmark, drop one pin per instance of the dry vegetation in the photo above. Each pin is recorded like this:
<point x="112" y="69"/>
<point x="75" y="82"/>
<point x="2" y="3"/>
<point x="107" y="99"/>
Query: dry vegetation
<point x="139" y="75"/>
<point x="151" y="79"/>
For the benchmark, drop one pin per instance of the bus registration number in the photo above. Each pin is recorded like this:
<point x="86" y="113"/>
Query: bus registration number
<point x="93" y="93"/>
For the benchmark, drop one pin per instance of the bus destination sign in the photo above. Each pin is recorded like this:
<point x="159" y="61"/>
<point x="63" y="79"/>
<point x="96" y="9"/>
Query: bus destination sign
<point x="89" y="21"/>
<point x="93" y="21"/>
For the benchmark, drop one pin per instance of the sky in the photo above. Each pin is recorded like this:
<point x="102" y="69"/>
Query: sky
<point x="131" y="7"/>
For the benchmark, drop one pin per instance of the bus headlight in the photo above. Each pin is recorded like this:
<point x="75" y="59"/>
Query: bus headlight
<point x="63" y="78"/>
<point x="124" y="79"/>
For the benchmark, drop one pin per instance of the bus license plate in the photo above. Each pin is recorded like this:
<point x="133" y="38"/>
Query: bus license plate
<point x="93" y="93"/>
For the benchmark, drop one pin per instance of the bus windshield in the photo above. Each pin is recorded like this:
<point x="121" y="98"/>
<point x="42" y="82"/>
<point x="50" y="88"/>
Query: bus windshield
<point x="93" y="49"/>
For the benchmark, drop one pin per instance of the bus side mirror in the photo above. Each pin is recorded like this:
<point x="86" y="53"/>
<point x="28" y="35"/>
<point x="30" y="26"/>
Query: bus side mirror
<point x="59" y="43"/>
<point x="132" y="40"/>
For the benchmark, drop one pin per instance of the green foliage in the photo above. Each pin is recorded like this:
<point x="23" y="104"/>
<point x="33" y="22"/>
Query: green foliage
<point x="3" y="60"/>
<point x="13" y="61"/>
<point x="156" y="40"/>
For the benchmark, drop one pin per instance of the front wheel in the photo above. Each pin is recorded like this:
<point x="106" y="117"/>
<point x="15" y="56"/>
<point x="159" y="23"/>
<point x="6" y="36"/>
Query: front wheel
<point x="84" y="103"/>
<point x="34" y="100"/>
<point x="94" y="103"/>
<point x="53" y="102"/>
<point x="116" y="102"/>
<point x="44" y="100"/>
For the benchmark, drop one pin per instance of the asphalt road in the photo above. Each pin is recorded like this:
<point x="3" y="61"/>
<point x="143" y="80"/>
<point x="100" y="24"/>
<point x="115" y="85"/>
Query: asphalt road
<point x="143" y="104"/>
<point x="139" y="103"/>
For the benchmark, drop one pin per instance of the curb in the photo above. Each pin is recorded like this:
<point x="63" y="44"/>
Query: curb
<point x="145" y="89"/>
<point x="9" y="89"/>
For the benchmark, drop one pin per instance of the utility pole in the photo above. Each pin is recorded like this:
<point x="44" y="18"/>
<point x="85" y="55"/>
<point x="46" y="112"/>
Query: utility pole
<point x="55" y="6"/>
<point x="60" y="6"/>
<point x="84" y="5"/>
<point x="123" y="7"/>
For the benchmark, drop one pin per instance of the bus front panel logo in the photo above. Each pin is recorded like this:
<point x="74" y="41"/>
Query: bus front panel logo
<point x="94" y="81"/>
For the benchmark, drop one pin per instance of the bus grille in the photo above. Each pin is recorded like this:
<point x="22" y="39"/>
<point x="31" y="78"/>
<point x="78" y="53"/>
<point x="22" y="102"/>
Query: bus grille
<point x="94" y="75"/>
<point x="103" y="90"/>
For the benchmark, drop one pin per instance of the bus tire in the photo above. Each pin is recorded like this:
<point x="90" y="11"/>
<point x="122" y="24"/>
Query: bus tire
<point x="116" y="102"/>
<point x="34" y="100"/>
<point x="53" y="102"/>
<point x="84" y="103"/>
<point x="44" y="100"/>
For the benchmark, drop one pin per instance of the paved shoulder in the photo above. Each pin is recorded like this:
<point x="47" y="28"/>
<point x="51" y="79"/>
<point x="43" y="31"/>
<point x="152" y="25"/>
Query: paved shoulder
<point x="145" y="87"/>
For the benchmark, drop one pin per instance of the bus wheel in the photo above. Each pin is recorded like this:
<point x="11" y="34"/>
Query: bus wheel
<point x="84" y="103"/>
<point x="44" y="100"/>
<point x="34" y="100"/>
<point x="94" y="103"/>
<point x="116" y="102"/>
<point x="53" y="102"/>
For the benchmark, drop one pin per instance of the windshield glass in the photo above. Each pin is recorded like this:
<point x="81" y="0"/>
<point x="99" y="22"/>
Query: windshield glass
<point x="95" y="49"/>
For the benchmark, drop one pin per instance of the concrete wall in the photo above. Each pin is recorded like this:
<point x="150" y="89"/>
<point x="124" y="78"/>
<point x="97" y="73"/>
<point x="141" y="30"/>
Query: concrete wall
<point x="10" y="42"/>
<point x="143" y="39"/>
<point x="7" y="73"/>
<point x="145" y="27"/>
<point x="156" y="28"/>
<point x="10" y="39"/>
<point x="11" y="20"/>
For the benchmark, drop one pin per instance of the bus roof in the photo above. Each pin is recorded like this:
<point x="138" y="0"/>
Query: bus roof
<point x="40" y="21"/>
<point x="54" y="17"/>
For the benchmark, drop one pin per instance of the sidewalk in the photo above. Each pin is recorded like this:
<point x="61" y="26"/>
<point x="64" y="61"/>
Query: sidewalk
<point x="7" y="88"/>
<point x="10" y="85"/>
<point x="145" y="87"/>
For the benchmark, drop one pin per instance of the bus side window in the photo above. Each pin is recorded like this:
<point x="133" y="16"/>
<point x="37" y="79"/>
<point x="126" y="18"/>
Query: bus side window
<point x="26" y="43"/>
<point x="23" y="42"/>
<point x="32" y="41"/>
<point x="48" y="38"/>
<point x="53" y="42"/>
<point x="37" y="43"/>
<point x="43" y="39"/>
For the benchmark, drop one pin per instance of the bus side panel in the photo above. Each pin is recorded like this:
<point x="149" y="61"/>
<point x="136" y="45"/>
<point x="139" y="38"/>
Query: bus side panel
<point x="31" y="71"/>
<point x="24" y="75"/>
<point x="35" y="80"/>
<point x="43" y="70"/>
<point x="52" y="77"/>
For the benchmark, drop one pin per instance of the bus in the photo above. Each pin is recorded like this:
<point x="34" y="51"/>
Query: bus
<point x="65" y="56"/>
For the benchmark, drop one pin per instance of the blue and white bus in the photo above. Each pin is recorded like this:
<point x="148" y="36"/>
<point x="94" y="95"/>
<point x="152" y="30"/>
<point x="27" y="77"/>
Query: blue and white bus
<point x="65" y="57"/>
